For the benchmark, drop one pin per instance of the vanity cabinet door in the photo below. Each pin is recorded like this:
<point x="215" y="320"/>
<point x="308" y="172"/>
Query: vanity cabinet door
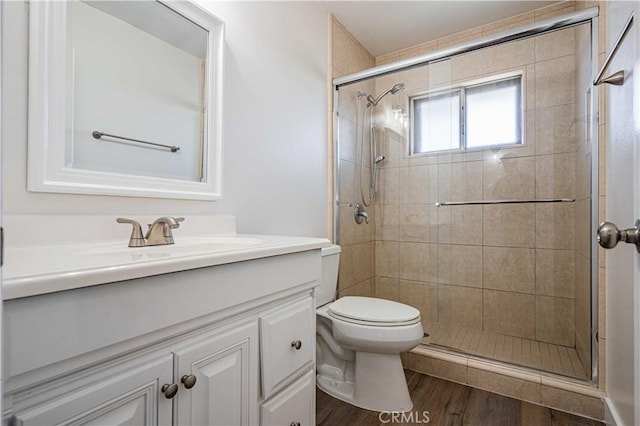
<point x="131" y="396"/>
<point x="225" y="369"/>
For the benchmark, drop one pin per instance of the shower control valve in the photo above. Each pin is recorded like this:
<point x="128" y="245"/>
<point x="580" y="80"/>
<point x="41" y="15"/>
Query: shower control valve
<point x="360" y="215"/>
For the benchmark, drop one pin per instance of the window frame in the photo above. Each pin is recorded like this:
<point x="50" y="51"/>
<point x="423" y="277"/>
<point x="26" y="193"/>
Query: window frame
<point x="461" y="88"/>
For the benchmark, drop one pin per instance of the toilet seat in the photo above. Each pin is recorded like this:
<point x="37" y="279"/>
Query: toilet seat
<point x="373" y="312"/>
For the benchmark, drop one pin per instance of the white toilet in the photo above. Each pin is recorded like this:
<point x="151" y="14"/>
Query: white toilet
<point x="359" y="341"/>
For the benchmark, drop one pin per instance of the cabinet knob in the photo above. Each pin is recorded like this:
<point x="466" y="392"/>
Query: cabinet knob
<point x="296" y="344"/>
<point x="169" y="391"/>
<point x="189" y="381"/>
<point x="295" y="423"/>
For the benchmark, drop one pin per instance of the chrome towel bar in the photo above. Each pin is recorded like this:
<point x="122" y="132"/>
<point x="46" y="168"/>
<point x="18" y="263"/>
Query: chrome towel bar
<point x="616" y="78"/>
<point x="98" y="135"/>
<point x="483" y="202"/>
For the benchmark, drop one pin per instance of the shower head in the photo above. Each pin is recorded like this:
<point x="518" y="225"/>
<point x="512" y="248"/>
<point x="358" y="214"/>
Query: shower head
<point x="396" y="88"/>
<point x="393" y="90"/>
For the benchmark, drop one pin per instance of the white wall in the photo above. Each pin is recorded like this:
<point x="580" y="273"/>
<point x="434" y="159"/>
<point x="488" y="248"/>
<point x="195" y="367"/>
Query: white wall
<point x="275" y="156"/>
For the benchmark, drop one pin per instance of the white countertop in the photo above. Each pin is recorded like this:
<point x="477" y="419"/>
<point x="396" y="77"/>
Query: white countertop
<point x="32" y="269"/>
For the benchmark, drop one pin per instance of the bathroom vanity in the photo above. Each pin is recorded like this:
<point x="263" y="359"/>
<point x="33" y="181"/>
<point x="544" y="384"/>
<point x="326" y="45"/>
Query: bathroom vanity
<point x="218" y="329"/>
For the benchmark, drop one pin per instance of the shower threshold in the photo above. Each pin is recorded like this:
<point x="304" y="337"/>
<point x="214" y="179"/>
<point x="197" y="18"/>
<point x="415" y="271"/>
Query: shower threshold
<point x="541" y="356"/>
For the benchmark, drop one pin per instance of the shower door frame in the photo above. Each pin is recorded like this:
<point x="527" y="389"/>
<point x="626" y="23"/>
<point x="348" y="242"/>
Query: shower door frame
<point x="587" y="16"/>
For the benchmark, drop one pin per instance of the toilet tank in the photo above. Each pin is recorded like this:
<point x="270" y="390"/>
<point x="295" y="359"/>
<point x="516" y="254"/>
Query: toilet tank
<point x="326" y="292"/>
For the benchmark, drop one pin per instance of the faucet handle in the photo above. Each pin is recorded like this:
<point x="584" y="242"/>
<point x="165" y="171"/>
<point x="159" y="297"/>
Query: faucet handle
<point x="136" y="239"/>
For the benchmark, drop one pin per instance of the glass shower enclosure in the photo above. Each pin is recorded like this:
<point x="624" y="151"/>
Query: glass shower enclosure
<point x="476" y="169"/>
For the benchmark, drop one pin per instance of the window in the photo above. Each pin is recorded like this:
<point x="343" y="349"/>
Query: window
<point x="471" y="116"/>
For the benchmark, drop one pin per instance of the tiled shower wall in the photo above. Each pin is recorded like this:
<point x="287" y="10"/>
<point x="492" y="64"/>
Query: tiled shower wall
<point x="512" y="269"/>
<point x="475" y="266"/>
<point x="357" y="258"/>
<point x="520" y="270"/>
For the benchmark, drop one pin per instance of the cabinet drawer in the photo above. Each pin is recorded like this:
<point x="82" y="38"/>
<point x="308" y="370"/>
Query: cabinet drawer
<point x="295" y="405"/>
<point x="287" y="343"/>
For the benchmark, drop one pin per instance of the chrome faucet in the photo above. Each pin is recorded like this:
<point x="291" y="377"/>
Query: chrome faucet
<point x="158" y="233"/>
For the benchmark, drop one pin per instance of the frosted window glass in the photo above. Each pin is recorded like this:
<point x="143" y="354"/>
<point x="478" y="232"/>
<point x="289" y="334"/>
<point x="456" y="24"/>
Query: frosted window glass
<point x="436" y="123"/>
<point x="493" y="114"/>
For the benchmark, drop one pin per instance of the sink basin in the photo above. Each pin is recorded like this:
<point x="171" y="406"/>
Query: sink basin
<point x="190" y="246"/>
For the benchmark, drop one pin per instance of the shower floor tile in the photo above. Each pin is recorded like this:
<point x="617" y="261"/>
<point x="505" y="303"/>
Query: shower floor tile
<point x="529" y="353"/>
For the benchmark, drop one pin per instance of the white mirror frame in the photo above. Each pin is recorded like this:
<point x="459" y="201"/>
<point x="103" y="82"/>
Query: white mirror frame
<point x="48" y="105"/>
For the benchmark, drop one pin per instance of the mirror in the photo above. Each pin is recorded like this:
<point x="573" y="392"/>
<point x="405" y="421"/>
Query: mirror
<point x="132" y="99"/>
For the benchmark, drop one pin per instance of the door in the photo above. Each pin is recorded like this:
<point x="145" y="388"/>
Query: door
<point x="130" y="396"/>
<point x="218" y="378"/>
<point x="622" y="334"/>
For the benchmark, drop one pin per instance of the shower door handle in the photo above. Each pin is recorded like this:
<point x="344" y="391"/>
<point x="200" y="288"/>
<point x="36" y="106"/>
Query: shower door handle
<point x="609" y="235"/>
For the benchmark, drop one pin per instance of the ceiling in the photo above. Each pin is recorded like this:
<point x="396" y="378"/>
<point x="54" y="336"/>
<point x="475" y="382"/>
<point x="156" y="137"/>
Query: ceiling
<point x="386" y="26"/>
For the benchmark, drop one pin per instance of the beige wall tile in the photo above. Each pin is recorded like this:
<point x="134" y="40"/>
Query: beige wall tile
<point x="460" y="306"/>
<point x="508" y="23"/>
<point x="355" y="264"/>
<point x="386" y="224"/>
<point x="493" y="60"/>
<point x="509" y="225"/>
<point x="583" y="175"/>
<point x="415" y="184"/>
<point x="466" y="181"/>
<point x="388" y="186"/>
<point x="349" y="181"/>
<point x="508" y="269"/>
<point x="459" y="37"/>
<point x="555" y="225"/>
<point x="555" y="82"/>
<point x="394" y="150"/>
<point x="386" y="288"/>
<point x="414" y="223"/>
<point x="572" y="402"/>
<point x="555" y="129"/>
<point x="555" y="45"/>
<point x="418" y="261"/>
<point x="444" y="264"/>
<point x="509" y="178"/>
<point x="509" y="313"/>
<point x="466" y="265"/>
<point x="347" y="139"/>
<point x="583" y="310"/>
<point x="386" y="254"/>
<point x="504" y="385"/>
<point x="364" y="289"/>
<point x="555" y="320"/>
<point x="349" y="55"/>
<point x="443" y="222"/>
<point x="421" y="295"/>
<point x="555" y="176"/>
<point x="583" y="227"/>
<point x="555" y="273"/>
<point x="459" y="224"/>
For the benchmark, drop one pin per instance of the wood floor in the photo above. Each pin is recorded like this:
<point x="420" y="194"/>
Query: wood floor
<point x="448" y="403"/>
<point x="529" y="353"/>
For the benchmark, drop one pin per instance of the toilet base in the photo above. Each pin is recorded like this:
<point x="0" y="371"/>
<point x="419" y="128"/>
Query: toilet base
<point x="379" y="384"/>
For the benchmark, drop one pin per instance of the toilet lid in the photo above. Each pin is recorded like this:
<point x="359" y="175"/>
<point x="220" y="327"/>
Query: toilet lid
<point x="373" y="310"/>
